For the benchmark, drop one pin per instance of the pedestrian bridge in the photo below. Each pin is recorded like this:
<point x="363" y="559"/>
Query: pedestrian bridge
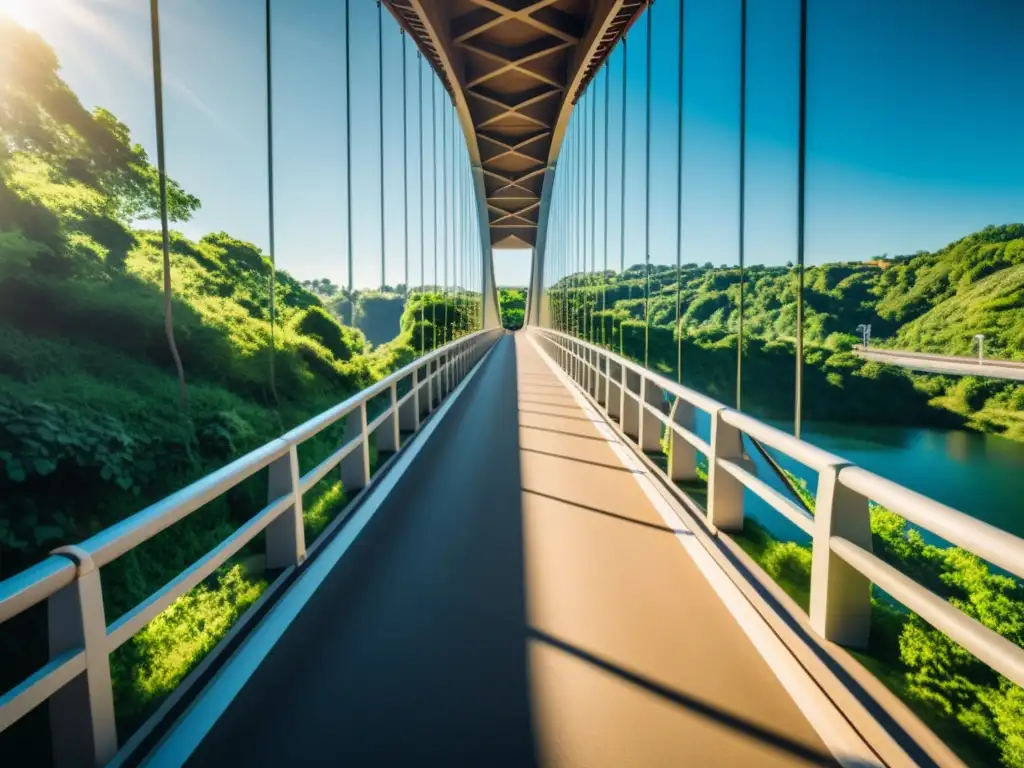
<point x="520" y="583"/>
<point x="537" y="567"/>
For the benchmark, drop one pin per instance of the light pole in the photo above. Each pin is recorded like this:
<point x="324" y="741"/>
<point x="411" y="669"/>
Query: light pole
<point x="865" y="332"/>
<point x="980" y="338"/>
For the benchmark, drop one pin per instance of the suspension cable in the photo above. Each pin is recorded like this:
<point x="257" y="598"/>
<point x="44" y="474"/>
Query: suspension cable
<point x="423" y="195"/>
<point x="380" y="114"/>
<point x="743" y="196"/>
<point x="622" y="195"/>
<point x="158" y="98"/>
<point x="647" y="195"/>
<point x="405" y="161"/>
<point x="604" y="276"/>
<point x="584" y="120"/>
<point x="348" y="152"/>
<point x="433" y="165"/>
<point x="270" y="206"/>
<point x="444" y="212"/>
<point x="801" y="195"/>
<point x="578" y="227"/>
<point x="679" y="196"/>
<point x="593" y="207"/>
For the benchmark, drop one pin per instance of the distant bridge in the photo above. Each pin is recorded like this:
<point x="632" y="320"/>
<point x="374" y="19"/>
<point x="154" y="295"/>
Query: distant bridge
<point x="948" y="364"/>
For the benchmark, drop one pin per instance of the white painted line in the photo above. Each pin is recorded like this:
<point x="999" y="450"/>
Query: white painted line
<point x="198" y="720"/>
<point x="834" y="730"/>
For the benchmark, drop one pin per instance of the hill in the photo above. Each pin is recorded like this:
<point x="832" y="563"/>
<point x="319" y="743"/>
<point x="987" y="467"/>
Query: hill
<point x="124" y="378"/>
<point x="932" y="302"/>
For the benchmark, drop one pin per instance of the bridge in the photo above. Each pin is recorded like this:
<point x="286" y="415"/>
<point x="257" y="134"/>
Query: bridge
<point x="537" y="561"/>
<point x="948" y="364"/>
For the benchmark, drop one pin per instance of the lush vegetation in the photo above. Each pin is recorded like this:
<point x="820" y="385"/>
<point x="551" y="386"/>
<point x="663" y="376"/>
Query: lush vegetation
<point x="513" y="307"/>
<point x="115" y="392"/>
<point x="932" y="302"/>
<point x="978" y="712"/>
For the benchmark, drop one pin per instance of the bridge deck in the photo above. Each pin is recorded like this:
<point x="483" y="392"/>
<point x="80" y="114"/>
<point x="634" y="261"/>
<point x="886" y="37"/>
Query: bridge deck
<point x="516" y="601"/>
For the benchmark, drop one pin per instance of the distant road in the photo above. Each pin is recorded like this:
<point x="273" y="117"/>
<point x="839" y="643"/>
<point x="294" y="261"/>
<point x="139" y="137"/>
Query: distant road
<point x="960" y="366"/>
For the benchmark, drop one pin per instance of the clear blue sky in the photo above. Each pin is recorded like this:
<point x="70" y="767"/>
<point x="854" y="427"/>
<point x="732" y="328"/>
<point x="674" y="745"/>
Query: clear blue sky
<point x="913" y="125"/>
<point x="913" y="131"/>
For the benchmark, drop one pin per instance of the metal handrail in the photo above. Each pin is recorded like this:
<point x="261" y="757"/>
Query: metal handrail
<point x="82" y="717"/>
<point x="843" y="566"/>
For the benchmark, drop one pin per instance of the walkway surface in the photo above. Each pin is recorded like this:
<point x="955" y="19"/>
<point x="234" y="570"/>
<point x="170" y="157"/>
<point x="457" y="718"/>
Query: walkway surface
<point x="517" y="601"/>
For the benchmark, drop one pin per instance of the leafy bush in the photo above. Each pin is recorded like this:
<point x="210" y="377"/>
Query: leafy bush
<point x="979" y="712"/>
<point x="161" y="655"/>
<point x="319" y="325"/>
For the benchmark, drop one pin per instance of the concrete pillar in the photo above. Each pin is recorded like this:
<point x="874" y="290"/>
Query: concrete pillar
<point x="82" y="724"/>
<point x="387" y="436"/>
<point x="650" y="424"/>
<point x="355" y="468"/>
<point x="409" y="411"/>
<point x="614" y="384"/>
<point x="725" y="492"/>
<point x="840" y="594"/>
<point x="629" y="407"/>
<point x="286" y="536"/>
<point x="682" y="457"/>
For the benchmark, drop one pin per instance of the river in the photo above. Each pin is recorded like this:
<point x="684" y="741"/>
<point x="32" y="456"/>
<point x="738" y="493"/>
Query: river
<point x="979" y="474"/>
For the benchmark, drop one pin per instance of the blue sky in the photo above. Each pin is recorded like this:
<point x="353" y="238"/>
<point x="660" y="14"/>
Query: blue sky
<point x="913" y="125"/>
<point x="912" y="131"/>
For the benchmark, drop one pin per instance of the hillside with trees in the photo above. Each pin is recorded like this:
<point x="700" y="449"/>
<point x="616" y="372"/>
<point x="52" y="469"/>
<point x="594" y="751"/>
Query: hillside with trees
<point x="513" y="307"/>
<point x="929" y="302"/>
<point x="124" y="377"/>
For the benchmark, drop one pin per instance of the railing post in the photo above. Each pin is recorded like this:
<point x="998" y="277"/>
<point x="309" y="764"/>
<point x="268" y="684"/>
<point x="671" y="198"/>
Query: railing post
<point x="725" y="492"/>
<point x="650" y="424"/>
<point x="355" y="468"/>
<point x="630" y="406"/>
<point x="286" y="536"/>
<point x="429" y="406"/>
<point x="409" y="411"/>
<point x="682" y="457"/>
<point x="588" y="371"/>
<point x="82" y="725"/>
<point x="388" y="437"/>
<point x="840" y="594"/>
<point x="602" y="379"/>
<point x="613" y="402"/>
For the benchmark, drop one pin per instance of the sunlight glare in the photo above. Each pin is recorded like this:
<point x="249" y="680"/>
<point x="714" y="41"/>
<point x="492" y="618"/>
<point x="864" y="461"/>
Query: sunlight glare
<point x="27" y="13"/>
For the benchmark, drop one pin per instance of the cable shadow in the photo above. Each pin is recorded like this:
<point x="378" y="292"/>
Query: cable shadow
<point x="726" y="719"/>
<point x="568" y="402"/>
<point x="613" y="515"/>
<point x="613" y="467"/>
<point x="563" y="432"/>
<point x="560" y="416"/>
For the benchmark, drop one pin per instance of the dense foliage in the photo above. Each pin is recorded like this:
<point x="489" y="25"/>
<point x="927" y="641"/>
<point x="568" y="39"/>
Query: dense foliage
<point x="513" y="307"/>
<point x="976" y="710"/>
<point x="931" y="302"/>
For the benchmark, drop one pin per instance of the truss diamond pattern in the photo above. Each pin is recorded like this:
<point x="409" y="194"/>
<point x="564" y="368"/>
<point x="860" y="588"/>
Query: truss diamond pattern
<point x="515" y="62"/>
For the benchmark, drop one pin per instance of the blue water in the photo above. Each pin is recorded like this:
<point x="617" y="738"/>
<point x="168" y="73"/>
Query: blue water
<point x="978" y="474"/>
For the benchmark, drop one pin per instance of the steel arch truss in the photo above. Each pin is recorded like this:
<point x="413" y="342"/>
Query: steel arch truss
<point x="517" y="67"/>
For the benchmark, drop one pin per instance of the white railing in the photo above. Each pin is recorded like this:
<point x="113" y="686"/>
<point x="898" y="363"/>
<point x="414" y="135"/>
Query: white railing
<point x="76" y="681"/>
<point x="843" y="566"/>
